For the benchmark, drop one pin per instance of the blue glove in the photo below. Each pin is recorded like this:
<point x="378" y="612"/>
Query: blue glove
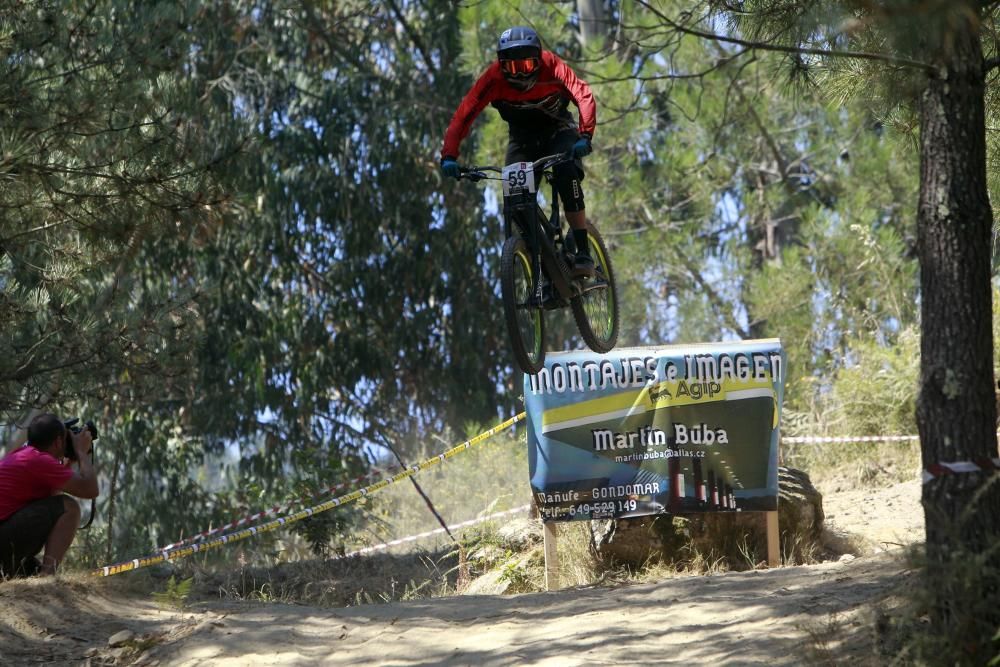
<point x="582" y="147"/>
<point x="449" y="167"/>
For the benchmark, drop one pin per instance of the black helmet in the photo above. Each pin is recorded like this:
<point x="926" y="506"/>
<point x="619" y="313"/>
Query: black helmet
<point x="519" y="51"/>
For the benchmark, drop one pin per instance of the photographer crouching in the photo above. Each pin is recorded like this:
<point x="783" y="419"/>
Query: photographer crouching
<point x="34" y="512"/>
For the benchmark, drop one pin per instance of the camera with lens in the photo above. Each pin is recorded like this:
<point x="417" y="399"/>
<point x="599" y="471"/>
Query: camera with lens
<point x="71" y="425"/>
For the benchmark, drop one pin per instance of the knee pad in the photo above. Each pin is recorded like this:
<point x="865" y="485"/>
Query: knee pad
<point x="568" y="177"/>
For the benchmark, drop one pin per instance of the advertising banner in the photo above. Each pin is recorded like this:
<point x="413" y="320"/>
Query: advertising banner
<point x="650" y="430"/>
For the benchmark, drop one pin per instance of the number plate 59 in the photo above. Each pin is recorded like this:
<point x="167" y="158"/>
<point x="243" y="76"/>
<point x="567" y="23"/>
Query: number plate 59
<point x="518" y="178"/>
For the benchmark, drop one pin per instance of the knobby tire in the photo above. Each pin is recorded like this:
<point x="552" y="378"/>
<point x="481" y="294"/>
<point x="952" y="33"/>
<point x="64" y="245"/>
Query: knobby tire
<point x="596" y="311"/>
<point x="525" y="325"/>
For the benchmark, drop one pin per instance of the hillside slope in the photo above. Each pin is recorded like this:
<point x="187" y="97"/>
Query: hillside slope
<point x="774" y="617"/>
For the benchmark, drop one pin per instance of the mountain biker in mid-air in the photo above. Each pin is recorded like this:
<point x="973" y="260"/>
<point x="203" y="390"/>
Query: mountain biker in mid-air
<point x="532" y="89"/>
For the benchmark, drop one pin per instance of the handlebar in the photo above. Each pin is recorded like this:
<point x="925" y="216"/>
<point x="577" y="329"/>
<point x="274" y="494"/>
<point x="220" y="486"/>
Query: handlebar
<point x="476" y="174"/>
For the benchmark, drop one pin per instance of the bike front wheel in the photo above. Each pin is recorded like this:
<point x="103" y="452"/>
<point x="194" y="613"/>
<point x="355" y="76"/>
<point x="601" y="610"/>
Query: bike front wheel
<point x="596" y="310"/>
<point x="523" y="312"/>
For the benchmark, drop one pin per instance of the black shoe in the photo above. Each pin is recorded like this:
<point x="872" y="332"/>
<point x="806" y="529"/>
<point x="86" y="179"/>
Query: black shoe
<point x="583" y="267"/>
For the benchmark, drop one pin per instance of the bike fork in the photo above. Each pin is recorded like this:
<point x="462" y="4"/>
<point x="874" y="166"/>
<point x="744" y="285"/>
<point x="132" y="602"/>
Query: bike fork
<point x="533" y="245"/>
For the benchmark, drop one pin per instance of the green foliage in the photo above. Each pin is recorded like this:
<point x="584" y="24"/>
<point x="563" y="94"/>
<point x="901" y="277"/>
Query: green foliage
<point x="247" y="324"/>
<point x="877" y="393"/>
<point x="224" y="235"/>
<point x="956" y="594"/>
<point x="176" y="593"/>
<point x="323" y="530"/>
<point x="112" y="156"/>
<point x="102" y="155"/>
<point x="517" y="577"/>
<point x="763" y="213"/>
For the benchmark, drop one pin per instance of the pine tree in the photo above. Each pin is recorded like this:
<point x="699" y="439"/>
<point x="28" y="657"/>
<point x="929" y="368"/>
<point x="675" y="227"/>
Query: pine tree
<point x="102" y="154"/>
<point x="924" y="61"/>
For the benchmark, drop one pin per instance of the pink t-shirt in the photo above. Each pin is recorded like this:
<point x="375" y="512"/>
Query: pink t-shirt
<point x="28" y="474"/>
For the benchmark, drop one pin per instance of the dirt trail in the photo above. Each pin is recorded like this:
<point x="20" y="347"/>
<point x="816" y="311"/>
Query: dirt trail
<point x="766" y="617"/>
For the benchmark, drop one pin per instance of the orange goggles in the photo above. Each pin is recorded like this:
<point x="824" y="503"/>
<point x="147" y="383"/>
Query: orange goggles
<point x="520" y="66"/>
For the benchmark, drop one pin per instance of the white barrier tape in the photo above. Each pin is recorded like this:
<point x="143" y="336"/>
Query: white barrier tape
<point x="936" y="470"/>
<point x="436" y="531"/>
<point x="820" y="439"/>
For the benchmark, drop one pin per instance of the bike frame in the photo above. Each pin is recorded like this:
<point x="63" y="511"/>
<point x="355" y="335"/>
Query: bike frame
<point x="541" y="232"/>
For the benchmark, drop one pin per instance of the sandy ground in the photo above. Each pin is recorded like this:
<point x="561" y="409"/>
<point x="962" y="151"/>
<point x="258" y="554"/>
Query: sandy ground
<point x="765" y="617"/>
<point x="883" y="518"/>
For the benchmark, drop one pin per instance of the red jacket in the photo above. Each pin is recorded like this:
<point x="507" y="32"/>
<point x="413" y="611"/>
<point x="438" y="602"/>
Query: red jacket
<point x="545" y="104"/>
<point x="28" y="474"/>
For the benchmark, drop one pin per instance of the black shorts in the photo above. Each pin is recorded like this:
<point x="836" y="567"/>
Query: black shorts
<point x="24" y="533"/>
<point x="529" y="146"/>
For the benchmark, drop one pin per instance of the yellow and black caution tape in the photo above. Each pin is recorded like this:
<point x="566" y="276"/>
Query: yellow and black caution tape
<point x="222" y="540"/>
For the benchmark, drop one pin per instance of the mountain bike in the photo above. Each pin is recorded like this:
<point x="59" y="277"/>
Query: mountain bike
<point x="535" y="273"/>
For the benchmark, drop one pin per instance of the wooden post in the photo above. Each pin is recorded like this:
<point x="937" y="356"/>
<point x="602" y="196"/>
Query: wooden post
<point x="551" y="557"/>
<point x="773" y="540"/>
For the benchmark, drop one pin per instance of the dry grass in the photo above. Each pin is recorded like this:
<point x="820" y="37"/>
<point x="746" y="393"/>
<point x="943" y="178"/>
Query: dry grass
<point x="334" y="582"/>
<point x="488" y="478"/>
<point x="858" y="464"/>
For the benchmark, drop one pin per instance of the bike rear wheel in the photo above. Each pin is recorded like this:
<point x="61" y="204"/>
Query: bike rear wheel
<point x="596" y="310"/>
<point x="524" y="315"/>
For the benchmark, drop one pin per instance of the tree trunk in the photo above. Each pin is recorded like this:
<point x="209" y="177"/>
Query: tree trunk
<point x="593" y="22"/>
<point x="956" y="414"/>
